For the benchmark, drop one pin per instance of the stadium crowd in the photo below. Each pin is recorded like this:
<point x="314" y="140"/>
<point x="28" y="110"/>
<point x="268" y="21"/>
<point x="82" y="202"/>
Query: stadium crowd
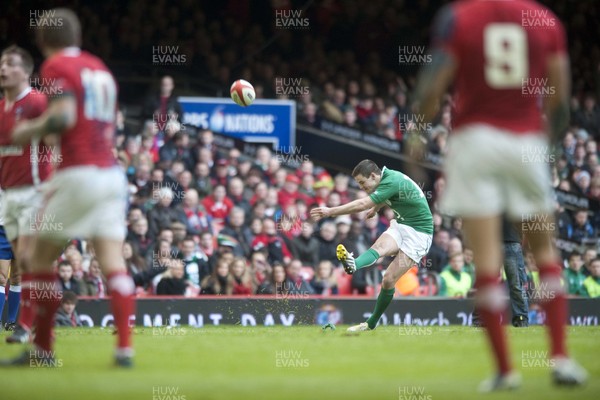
<point x="209" y="220"/>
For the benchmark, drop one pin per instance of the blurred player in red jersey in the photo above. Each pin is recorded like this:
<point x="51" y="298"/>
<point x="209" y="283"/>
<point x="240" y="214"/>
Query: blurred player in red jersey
<point x="86" y="197"/>
<point x="509" y="65"/>
<point x="22" y="170"/>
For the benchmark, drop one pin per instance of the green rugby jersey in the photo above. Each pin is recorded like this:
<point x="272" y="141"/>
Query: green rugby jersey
<point x="405" y="198"/>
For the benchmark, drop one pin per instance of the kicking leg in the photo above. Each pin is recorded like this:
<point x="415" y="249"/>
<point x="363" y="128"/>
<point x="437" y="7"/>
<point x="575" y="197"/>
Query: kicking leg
<point x="398" y="267"/>
<point x="384" y="246"/>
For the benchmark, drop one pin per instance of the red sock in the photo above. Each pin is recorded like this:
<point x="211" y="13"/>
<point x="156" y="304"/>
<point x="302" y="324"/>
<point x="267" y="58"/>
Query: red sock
<point x="46" y="297"/>
<point x="26" y="310"/>
<point x="490" y="305"/>
<point x="554" y="304"/>
<point x="122" y="304"/>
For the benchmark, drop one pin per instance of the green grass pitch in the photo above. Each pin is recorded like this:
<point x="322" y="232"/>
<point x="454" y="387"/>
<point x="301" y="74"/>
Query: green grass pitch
<point x="234" y="362"/>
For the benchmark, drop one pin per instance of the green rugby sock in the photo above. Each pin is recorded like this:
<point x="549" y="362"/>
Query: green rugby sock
<point x="366" y="259"/>
<point x="383" y="301"/>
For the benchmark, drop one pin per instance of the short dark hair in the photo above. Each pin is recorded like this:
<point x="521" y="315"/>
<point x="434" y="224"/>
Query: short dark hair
<point x="58" y="29"/>
<point x="26" y="59"/>
<point x="69" y="297"/>
<point x="366" y="168"/>
<point x="64" y="263"/>
<point x="574" y="254"/>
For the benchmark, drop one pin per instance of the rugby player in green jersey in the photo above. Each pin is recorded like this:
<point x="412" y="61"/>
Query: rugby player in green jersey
<point x="408" y="238"/>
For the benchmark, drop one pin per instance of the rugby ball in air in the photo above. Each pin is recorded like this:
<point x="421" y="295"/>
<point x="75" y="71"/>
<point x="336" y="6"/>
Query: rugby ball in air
<point x="242" y="93"/>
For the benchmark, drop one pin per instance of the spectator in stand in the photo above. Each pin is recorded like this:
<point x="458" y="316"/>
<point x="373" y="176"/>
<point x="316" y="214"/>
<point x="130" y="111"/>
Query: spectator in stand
<point x="259" y="268"/>
<point x="589" y="255"/>
<point x="438" y="254"/>
<point x="156" y="261"/>
<point x="582" y="180"/>
<point x="289" y="193"/>
<point x="322" y="190"/>
<point x="75" y="258"/>
<point x="279" y="176"/>
<point x="160" y="108"/>
<point x="67" y="281"/>
<point x="242" y="278"/>
<point x="260" y="193"/>
<point x="270" y="240"/>
<point x="183" y="184"/>
<point x="591" y="284"/>
<point x="333" y="107"/>
<point x="350" y="118"/>
<point x="177" y="147"/>
<point x="206" y="141"/>
<point x="340" y="186"/>
<point x="263" y="157"/>
<point x="272" y="203"/>
<point x="305" y="247"/>
<point x="309" y="114"/>
<point x="179" y="230"/>
<point x="456" y="228"/>
<point x="197" y="218"/>
<point x="295" y="283"/>
<point x="276" y="283"/>
<point x="133" y="261"/>
<point x="578" y="160"/>
<point x="202" y="180"/>
<point x="469" y="267"/>
<point x="218" y="205"/>
<point x="207" y="244"/>
<point x="195" y="262"/>
<point x="343" y="224"/>
<point x="581" y="228"/>
<point x="221" y="176"/>
<point x="241" y="232"/>
<point x="568" y="146"/>
<point x="220" y="281"/>
<point x="162" y="215"/>
<point x="324" y="281"/>
<point x="327" y="242"/>
<point x="66" y="314"/>
<point x="573" y="275"/>
<point x="588" y="117"/>
<point x="455" y="282"/>
<point x="236" y="193"/>
<point x="94" y="283"/>
<point x="306" y="187"/>
<point x="172" y="282"/>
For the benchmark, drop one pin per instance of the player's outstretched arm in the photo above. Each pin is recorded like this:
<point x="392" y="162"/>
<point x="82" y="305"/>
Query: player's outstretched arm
<point x="60" y="116"/>
<point x="353" y="207"/>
